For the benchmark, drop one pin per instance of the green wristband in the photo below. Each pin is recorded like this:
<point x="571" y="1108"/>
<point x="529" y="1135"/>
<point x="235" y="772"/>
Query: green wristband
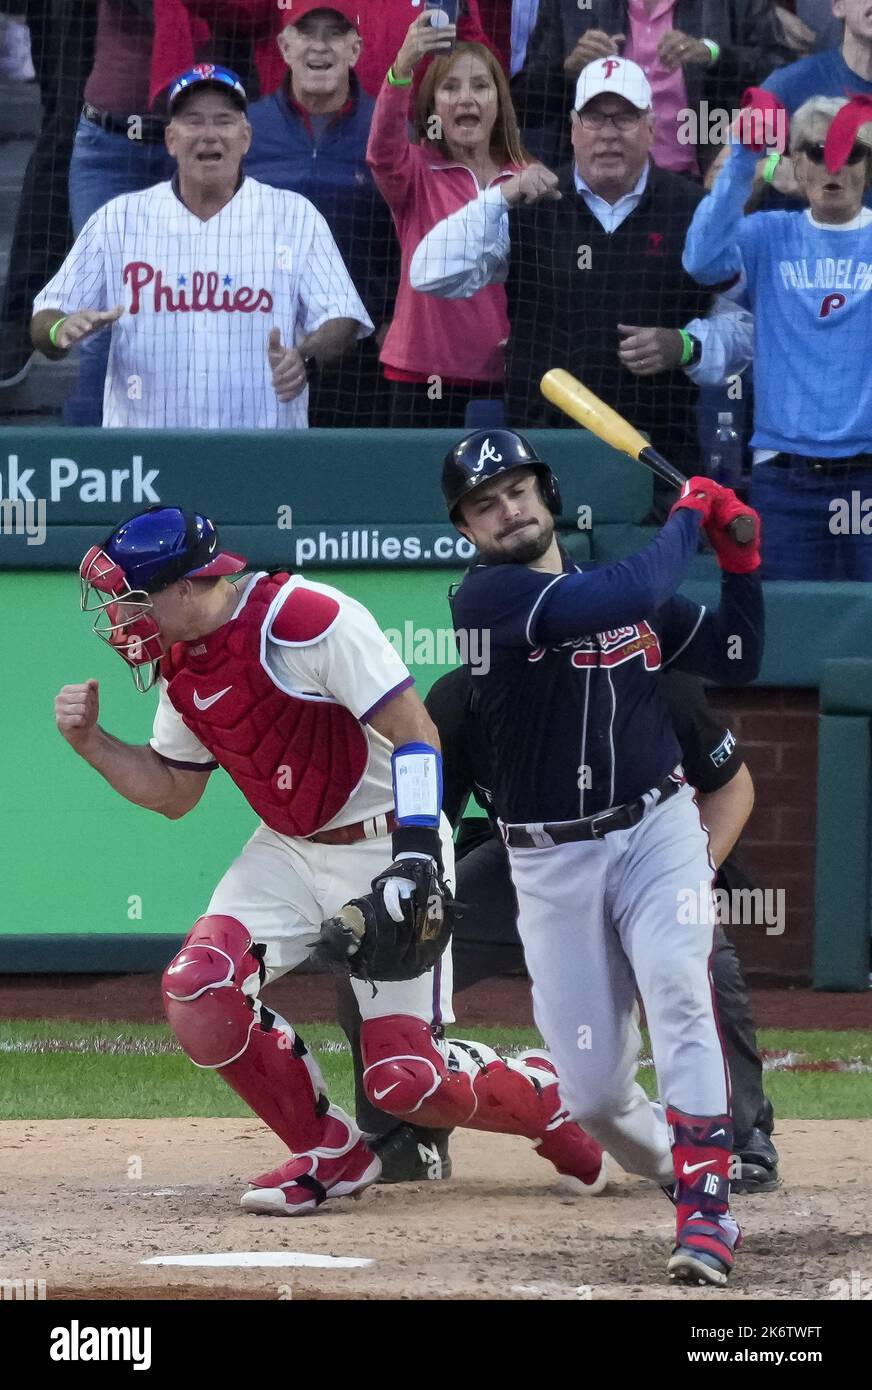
<point x="687" y="347"/>
<point x="772" y="162"/>
<point x="54" y="328"/>
<point x="398" y="81"/>
<point x="713" y="48"/>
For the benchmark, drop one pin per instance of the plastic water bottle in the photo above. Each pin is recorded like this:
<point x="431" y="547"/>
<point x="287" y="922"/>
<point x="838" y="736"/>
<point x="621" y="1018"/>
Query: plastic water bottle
<point x="725" y="459"/>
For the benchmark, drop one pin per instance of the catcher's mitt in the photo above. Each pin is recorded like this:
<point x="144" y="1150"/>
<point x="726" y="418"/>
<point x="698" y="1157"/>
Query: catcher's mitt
<point x="387" y="935"/>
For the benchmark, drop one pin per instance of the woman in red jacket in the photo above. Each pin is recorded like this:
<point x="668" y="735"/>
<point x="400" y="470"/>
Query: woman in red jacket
<point x="439" y="354"/>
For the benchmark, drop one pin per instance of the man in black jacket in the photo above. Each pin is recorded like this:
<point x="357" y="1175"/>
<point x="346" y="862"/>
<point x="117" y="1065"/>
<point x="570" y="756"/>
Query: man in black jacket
<point x="591" y="258"/>
<point x="718" y="47"/>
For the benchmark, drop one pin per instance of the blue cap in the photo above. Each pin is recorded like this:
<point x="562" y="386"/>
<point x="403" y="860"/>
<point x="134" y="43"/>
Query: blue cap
<point x="207" y="74"/>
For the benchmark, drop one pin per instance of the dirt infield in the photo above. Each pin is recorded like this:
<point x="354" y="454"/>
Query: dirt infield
<point x="311" y="998"/>
<point x="88" y="1201"/>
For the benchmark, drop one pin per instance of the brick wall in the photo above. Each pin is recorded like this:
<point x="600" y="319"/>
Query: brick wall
<point x="778" y="731"/>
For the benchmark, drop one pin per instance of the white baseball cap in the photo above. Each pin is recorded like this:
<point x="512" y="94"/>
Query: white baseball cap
<point x="616" y="75"/>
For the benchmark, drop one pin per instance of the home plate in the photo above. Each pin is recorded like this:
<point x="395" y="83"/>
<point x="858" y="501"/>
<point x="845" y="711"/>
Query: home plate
<point x="261" y="1259"/>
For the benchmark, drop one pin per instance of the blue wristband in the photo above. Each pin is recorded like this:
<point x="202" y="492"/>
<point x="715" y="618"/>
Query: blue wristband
<point x="416" y="772"/>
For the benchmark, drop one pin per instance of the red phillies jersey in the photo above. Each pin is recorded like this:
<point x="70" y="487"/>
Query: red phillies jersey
<point x="297" y="759"/>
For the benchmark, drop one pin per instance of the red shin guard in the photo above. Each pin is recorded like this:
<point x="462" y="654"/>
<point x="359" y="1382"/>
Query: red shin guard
<point x="407" y="1075"/>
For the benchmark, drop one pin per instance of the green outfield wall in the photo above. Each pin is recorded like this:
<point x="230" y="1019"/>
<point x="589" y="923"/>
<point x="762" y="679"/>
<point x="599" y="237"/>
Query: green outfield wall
<point x="88" y="881"/>
<point x="75" y="857"/>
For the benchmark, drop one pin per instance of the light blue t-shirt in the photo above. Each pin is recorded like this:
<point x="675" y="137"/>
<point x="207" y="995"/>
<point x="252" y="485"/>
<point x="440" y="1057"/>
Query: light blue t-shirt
<point x="809" y="287"/>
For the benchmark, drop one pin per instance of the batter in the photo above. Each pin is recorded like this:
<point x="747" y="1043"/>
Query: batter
<point x="603" y="833"/>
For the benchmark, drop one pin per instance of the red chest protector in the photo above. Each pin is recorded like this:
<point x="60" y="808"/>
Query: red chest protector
<point x="296" y="759"/>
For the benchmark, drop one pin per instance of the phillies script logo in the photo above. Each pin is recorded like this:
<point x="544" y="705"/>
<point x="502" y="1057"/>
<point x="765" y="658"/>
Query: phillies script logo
<point x="831" y="303"/>
<point x="202" y="296"/>
<point x="612" y="648"/>
<point x="609" y="66"/>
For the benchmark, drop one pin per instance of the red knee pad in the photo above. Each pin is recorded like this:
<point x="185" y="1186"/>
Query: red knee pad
<point x="403" y="1068"/>
<point x="208" y="989"/>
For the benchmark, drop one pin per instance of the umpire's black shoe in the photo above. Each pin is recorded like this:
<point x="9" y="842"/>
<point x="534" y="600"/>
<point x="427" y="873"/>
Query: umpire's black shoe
<point x="758" y="1165"/>
<point x="411" y="1154"/>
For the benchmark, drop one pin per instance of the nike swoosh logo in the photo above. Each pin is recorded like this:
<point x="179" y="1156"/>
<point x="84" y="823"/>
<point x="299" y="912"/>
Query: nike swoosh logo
<point x="380" y="1095"/>
<point x="717" y="1132"/>
<point x="694" y="1167"/>
<point x="213" y="699"/>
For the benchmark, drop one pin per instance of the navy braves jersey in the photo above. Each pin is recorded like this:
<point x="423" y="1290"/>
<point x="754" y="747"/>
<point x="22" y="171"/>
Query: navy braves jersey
<point x="569" y="715"/>
<point x="710" y="753"/>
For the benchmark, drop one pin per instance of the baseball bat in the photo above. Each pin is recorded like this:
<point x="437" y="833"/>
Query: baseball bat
<point x="571" y="396"/>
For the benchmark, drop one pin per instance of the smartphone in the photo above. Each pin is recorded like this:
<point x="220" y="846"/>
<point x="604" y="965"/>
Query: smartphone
<point x="450" y="8"/>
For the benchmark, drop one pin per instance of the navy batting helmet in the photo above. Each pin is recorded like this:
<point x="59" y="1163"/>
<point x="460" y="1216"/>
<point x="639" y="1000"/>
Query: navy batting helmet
<point x="486" y="453"/>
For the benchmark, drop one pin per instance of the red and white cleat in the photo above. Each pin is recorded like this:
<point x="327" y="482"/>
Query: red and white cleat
<point x="579" y="1159"/>
<point x="341" y="1167"/>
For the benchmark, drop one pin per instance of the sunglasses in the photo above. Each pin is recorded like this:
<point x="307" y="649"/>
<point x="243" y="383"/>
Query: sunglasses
<point x="816" y="153"/>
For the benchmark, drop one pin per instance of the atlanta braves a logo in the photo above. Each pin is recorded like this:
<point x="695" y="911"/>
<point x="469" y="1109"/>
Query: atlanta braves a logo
<point x="202" y="296"/>
<point x="487" y="455"/>
<point x="612" y="648"/>
<point x="204" y="69"/>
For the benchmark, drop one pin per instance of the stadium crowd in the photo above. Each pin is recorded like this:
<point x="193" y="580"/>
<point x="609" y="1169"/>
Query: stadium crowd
<point x="670" y="198"/>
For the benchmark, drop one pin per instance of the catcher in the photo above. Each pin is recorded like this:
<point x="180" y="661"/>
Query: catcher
<point x="292" y="689"/>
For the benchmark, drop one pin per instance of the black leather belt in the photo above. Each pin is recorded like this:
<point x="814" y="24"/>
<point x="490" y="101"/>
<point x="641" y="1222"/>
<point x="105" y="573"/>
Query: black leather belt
<point x="823" y="466"/>
<point x="148" y="131"/>
<point x="591" y="827"/>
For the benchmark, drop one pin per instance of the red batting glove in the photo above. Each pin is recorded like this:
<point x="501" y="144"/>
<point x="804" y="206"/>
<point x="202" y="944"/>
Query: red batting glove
<point x="699" y="495"/>
<point x="732" y="557"/>
<point x="763" y="121"/>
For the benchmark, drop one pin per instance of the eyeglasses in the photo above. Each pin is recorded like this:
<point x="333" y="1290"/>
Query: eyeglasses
<point x="816" y="153"/>
<point x="621" y="120"/>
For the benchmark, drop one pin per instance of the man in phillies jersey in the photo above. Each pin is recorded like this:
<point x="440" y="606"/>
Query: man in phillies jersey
<point x="221" y="294"/>
<point x="808" y="281"/>
<point x="293" y="690"/>
<point x="603" y="835"/>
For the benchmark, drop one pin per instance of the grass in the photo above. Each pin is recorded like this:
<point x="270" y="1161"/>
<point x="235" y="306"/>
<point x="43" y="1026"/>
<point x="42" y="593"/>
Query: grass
<point x="135" y="1071"/>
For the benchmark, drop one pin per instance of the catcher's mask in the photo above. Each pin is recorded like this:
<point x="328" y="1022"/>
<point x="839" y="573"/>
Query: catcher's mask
<point x="142" y="557"/>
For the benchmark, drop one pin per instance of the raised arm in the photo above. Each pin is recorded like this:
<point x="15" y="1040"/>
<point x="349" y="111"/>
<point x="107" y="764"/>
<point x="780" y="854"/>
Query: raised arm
<point x="465" y="251"/>
<point x="389" y="154"/>
<point x="471" y="248"/>
<point x="135" y="771"/>
<point x="712" y="251"/>
<point x="616" y="595"/>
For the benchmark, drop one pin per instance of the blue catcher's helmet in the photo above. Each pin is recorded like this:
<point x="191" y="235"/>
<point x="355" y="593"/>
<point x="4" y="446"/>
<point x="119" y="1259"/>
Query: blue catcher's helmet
<point x="486" y="453"/>
<point x="142" y="556"/>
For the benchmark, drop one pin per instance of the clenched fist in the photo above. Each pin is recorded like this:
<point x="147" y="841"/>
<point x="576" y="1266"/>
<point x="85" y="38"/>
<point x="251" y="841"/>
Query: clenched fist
<point x="76" y="710"/>
<point x="533" y="182"/>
